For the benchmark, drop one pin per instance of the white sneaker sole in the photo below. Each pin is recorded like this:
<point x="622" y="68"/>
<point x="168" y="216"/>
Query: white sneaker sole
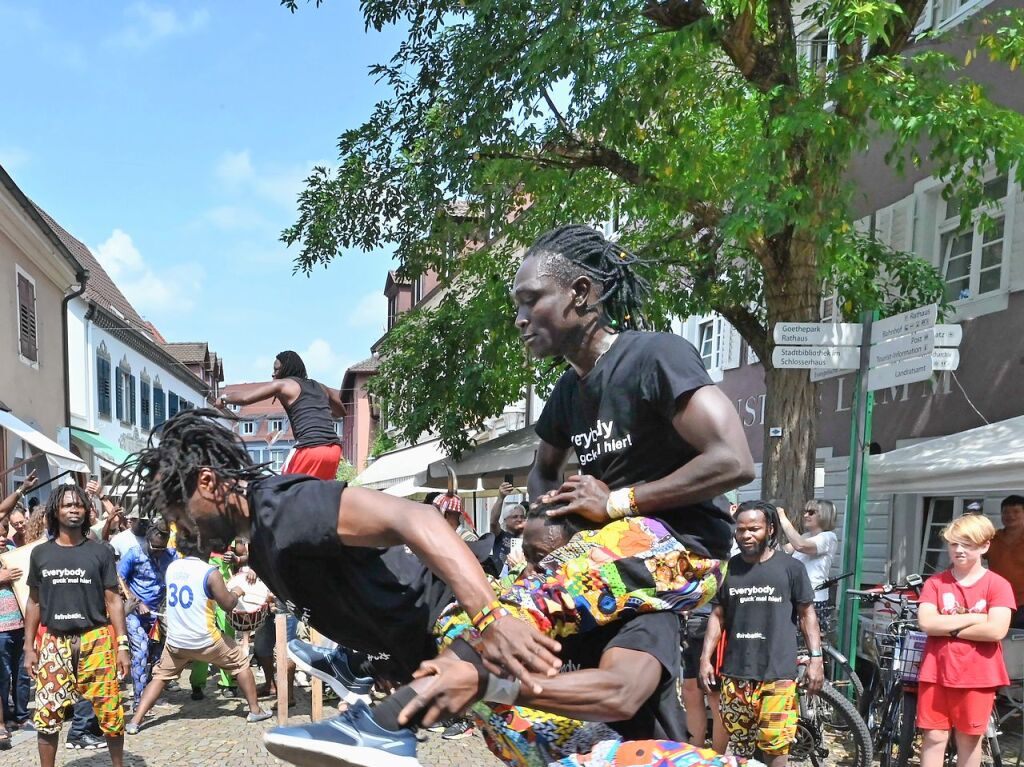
<point x="345" y="694"/>
<point x="322" y="753"/>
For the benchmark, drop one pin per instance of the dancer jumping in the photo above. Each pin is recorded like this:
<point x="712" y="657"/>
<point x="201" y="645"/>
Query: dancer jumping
<point x="311" y="407"/>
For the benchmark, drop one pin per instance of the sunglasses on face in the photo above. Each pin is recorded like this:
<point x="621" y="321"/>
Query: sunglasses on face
<point x="809" y="511"/>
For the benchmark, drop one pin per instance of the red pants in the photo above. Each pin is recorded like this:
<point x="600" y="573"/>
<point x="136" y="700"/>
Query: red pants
<point x="320" y="461"/>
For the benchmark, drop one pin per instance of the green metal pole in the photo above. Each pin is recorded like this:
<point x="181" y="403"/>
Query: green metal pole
<point x="856" y="493"/>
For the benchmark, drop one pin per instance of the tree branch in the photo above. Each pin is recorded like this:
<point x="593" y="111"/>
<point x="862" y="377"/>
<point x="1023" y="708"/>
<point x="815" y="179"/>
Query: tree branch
<point x="675" y="14"/>
<point x="749" y="326"/>
<point x="900" y="29"/>
<point x="558" y="115"/>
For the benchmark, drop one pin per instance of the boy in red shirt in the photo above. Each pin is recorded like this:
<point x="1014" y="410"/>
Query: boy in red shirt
<point x="965" y="611"/>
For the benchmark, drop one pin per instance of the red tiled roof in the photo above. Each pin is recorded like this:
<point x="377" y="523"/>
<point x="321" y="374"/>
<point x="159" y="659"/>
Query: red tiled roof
<point x="99" y="288"/>
<point x="369" y="365"/>
<point x="190" y="352"/>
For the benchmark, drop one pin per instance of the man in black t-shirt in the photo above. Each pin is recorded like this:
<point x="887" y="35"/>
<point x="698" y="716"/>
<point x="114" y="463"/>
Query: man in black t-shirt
<point x="765" y="596"/>
<point x="73" y="592"/>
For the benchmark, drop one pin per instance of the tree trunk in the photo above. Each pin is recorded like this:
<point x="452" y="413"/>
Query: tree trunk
<point x="792" y="294"/>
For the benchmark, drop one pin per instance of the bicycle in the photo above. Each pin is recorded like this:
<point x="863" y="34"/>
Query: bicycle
<point x="838" y="670"/>
<point x="829" y="729"/>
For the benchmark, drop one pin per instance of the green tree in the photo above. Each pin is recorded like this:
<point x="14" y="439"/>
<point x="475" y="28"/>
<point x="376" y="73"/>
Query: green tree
<point x="698" y="121"/>
<point x="346" y="471"/>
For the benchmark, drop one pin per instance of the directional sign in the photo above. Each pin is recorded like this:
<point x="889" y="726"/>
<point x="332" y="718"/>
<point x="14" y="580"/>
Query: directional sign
<point x="815" y="356"/>
<point x="904" y="324"/>
<point x="945" y="359"/>
<point x="901" y="348"/>
<point x="948" y="335"/>
<point x="906" y="371"/>
<point x="819" y="374"/>
<point x="818" y="333"/>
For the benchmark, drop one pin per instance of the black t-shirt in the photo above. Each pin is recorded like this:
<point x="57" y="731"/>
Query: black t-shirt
<point x="656" y="634"/>
<point x="71" y="582"/>
<point x="383" y="602"/>
<point x="759" y="602"/>
<point x="618" y="419"/>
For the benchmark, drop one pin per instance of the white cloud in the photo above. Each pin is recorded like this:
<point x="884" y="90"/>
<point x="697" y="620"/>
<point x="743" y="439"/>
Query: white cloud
<point x="369" y="311"/>
<point x="280" y="186"/>
<point x="149" y="24"/>
<point x="13" y="158"/>
<point x="235" y="218"/>
<point x="235" y="167"/>
<point x="149" y="290"/>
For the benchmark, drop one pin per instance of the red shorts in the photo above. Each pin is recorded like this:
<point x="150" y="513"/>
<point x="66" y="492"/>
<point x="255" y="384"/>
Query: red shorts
<point x="320" y="461"/>
<point x="963" y="709"/>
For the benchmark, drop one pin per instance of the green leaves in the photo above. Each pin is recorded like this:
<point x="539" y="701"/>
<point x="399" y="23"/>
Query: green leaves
<point x="726" y="152"/>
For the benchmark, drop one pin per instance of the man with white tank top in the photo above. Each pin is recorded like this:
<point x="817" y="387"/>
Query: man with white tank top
<point x="194" y="589"/>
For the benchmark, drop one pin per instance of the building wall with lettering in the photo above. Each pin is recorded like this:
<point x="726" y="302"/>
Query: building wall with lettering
<point x="988" y="386"/>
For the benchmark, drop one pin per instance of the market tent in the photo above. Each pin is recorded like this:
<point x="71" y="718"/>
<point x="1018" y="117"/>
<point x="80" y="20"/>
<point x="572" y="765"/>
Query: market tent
<point x="400" y="466"/>
<point x="985" y="459"/>
<point x="59" y="459"/>
<point x="486" y="466"/>
<point x="109" y="452"/>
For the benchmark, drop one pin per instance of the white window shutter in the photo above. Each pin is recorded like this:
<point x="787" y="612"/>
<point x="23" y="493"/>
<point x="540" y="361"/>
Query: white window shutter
<point x="719" y="336"/>
<point x="901" y="231"/>
<point x="731" y="357"/>
<point x="862" y="226"/>
<point x="883" y="225"/>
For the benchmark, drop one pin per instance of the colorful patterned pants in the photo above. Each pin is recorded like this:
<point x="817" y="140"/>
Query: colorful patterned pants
<point x="627" y="567"/>
<point x="649" y="753"/>
<point x="144" y="651"/>
<point x="759" y="715"/>
<point x="74" y="667"/>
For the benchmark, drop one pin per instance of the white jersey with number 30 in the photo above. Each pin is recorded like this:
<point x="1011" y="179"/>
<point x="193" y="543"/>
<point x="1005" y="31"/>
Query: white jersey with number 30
<point x="191" y="611"/>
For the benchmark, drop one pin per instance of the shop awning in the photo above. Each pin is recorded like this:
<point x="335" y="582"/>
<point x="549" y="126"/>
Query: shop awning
<point x="400" y="466"/>
<point x="985" y="459"/>
<point x="511" y="453"/>
<point x="59" y="459"/>
<point x="408" y="489"/>
<point x="101" y="447"/>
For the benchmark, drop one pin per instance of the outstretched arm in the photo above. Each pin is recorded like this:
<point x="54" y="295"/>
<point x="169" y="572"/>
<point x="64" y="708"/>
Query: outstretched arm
<point x="284" y="390"/>
<point x="503" y="492"/>
<point x="7" y="504"/>
<point x="371" y="518"/>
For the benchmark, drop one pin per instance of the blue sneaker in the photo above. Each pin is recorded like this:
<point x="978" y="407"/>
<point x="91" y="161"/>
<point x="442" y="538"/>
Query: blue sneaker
<point x="353" y="739"/>
<point x="331" y="667"/>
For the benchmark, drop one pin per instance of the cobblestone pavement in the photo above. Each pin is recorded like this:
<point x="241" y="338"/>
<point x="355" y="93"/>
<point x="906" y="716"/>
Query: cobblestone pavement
<point x="187" y="733"/>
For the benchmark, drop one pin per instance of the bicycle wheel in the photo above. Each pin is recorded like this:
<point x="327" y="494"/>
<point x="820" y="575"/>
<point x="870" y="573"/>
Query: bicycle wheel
<point x="830" y="731"/>
<point x="991" y="755"/>
<point x="842" y="677"/>
<point x="896" y="734"/>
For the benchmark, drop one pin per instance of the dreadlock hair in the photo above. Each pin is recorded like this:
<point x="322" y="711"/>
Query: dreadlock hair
<point x="186" y="544"/>
<point x="167" y="473"/>
<point x="771" y="518"/>
<point x="575" y="249"/>
<point x="57" y="498"/>
<point x="292" y="365"/>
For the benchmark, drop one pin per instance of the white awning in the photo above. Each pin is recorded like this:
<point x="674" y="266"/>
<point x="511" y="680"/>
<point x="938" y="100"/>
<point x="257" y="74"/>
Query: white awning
<point x="408" y="489"/>
<point x="985" y="459"/>
<point x="398" y="466"/>
<point x="59" y="459"/>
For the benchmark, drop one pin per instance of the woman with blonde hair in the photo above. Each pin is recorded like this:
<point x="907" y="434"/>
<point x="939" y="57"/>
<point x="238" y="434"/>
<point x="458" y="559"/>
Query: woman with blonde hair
<point x="816" y="549"/>
<point x="965" y="611"/>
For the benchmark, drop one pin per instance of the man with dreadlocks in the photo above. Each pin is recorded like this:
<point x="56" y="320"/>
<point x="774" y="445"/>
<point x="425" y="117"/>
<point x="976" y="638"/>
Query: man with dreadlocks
<point x="311" y="407"/>
<point x="765" y="595"/>
<point x="73" y="591"/>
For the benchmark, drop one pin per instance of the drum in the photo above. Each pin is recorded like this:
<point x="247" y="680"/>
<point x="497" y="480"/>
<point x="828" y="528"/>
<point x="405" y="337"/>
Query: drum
<point x="252" y="608"/>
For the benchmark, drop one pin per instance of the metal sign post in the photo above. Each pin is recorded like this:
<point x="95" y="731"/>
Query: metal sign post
<point x="856" y="489"/>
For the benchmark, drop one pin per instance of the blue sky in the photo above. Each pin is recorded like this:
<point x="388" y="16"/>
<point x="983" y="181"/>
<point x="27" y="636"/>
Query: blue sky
<point x="172" y="138"/>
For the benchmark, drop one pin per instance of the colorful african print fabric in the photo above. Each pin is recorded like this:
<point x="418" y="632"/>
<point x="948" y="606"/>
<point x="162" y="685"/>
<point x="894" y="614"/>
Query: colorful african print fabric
<point x="74" y="667"/>
<point x="627" y="567"/>
<point x="759" y="715"/>
<point x="649" y="753"/>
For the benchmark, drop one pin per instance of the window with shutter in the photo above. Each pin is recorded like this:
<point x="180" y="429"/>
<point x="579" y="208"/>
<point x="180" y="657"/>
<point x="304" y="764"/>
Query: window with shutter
<point x="103" y="386"/>
<point x="28" y="339"/>
<point x="132" y="417"/>
<point x="172" y="404"/>
<point x="119" y="395"/>
<point x="159" y="404"/>
<point x="144" y="398"/>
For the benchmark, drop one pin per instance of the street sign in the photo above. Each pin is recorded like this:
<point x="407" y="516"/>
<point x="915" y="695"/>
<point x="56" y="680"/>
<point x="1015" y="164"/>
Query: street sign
<point x="948" y="335"/>
<point x="904" y="324"/>
<point x="946" y="359"/>
<point x="816" y="356"/>
<point x="822" y="374"/>
<point x="901" y="348"/>
<point x="818" y="333"/>
<point x="905" y="371"/>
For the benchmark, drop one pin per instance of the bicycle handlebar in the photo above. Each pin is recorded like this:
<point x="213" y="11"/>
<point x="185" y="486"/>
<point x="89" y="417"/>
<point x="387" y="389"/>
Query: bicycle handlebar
<point x="833" y="581"/>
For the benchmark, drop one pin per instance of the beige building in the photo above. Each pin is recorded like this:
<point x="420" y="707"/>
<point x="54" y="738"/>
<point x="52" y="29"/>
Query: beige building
<point x="38" y="275"/>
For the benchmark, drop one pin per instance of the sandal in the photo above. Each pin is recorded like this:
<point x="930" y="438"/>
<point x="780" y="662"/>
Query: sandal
<point x="5" y="739"/>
